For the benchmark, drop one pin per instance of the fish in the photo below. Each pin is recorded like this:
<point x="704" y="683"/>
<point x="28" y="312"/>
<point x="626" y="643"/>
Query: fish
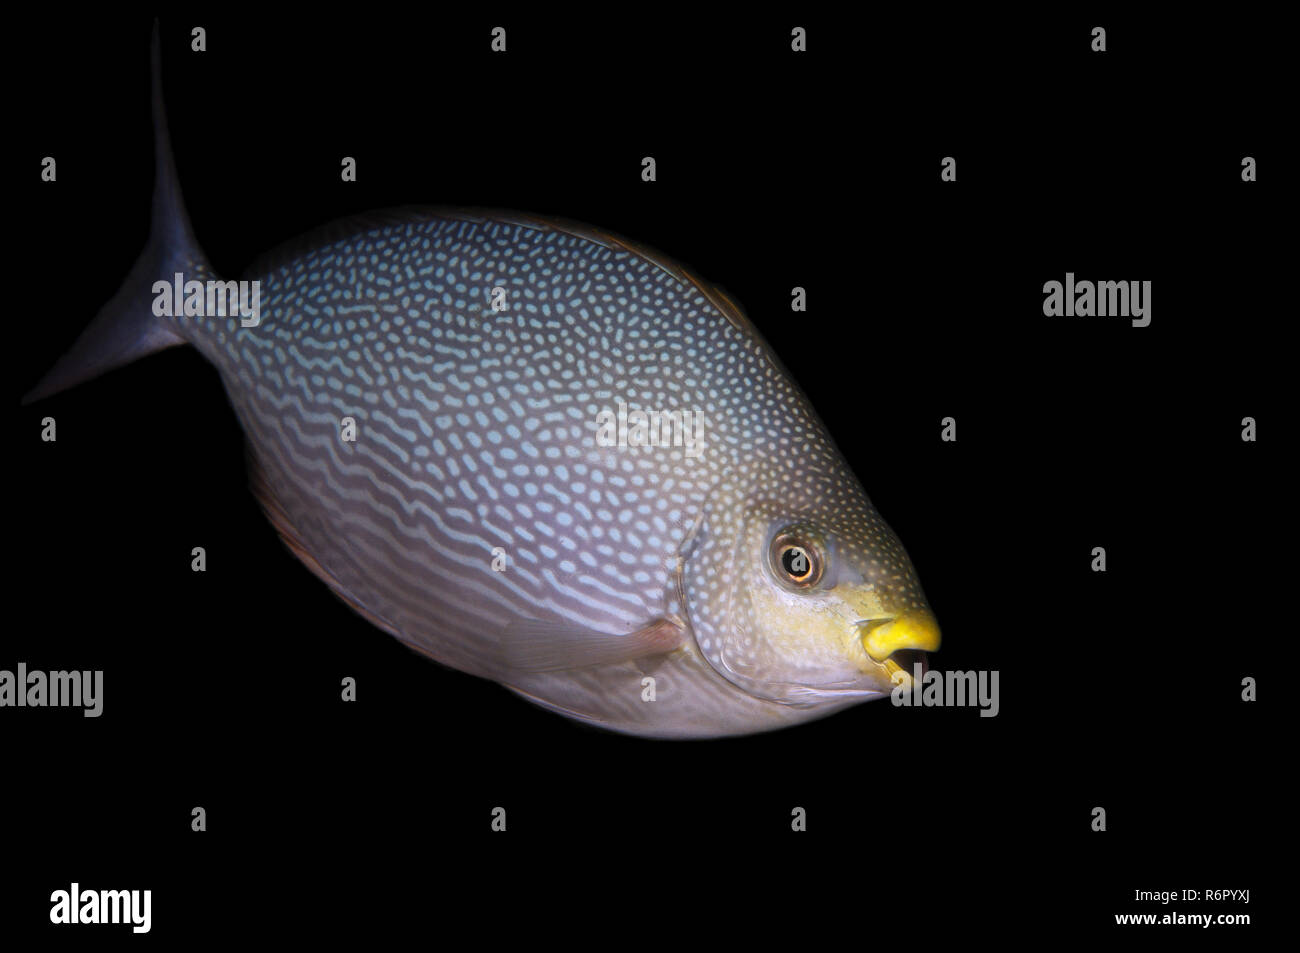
<point x="541" y="454"/>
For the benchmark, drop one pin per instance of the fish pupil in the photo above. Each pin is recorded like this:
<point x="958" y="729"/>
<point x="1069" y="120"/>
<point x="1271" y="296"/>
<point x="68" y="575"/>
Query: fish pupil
<point x="796" y="562"/>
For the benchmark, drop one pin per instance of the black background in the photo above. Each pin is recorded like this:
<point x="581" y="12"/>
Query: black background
<point x="821" y="170"/>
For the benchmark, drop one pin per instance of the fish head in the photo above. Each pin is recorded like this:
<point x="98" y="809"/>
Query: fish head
<point x="808" y="606"/>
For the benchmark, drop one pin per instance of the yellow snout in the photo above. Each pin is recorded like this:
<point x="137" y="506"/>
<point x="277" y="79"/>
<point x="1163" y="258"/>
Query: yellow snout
<point x="914" y="629"/>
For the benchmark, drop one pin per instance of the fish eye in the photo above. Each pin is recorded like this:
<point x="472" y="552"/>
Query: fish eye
<point x="796" y="561"/>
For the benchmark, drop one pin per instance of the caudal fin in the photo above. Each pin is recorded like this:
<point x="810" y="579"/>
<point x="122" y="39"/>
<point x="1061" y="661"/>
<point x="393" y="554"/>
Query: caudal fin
<point x="126" y="327"/>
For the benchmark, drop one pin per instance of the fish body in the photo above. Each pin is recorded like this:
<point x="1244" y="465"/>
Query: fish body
<point x="444" y="415"/>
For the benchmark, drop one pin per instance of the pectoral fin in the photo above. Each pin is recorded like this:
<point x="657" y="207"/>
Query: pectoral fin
<point x="530" y="645"/>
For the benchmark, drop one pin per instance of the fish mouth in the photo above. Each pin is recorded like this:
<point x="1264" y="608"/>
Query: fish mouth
<point x="899" y="643"/>
<point x="902" y="665"/>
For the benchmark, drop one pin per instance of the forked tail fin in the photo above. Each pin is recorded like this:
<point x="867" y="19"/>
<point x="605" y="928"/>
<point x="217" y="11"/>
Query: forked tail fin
<point x="126" y="328"/>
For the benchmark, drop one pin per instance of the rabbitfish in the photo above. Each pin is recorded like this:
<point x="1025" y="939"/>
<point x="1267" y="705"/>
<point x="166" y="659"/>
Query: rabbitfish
<point x="542" y="455"/>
